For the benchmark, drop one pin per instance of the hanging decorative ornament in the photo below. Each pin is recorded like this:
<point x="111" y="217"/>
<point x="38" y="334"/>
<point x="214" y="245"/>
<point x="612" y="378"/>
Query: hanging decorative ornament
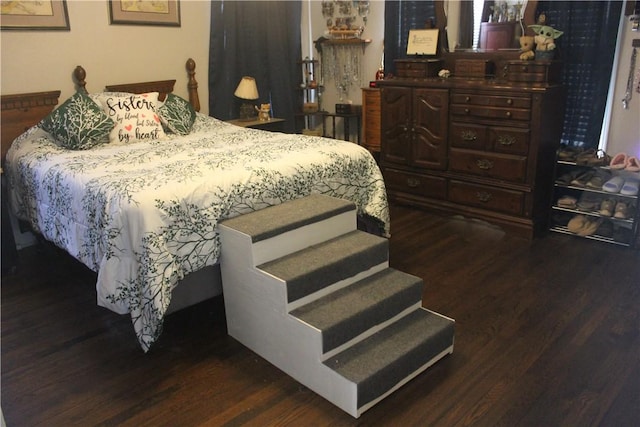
<point x="629" y="90"/>
<point x="328" y="9"/>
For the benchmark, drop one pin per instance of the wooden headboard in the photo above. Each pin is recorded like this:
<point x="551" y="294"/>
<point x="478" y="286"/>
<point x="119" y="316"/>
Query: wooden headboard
<point x="21" y="111"/>
<point x="162" y="86"/>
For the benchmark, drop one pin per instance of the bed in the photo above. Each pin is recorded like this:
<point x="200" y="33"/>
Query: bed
<point x="143" y="213"/>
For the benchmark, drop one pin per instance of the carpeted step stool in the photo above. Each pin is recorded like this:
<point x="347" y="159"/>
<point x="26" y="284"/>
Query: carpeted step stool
<point x="314" y="296"/>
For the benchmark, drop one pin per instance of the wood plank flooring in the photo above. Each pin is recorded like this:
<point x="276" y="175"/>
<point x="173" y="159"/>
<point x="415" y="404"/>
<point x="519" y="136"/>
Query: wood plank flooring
<point x="547" y="334"/>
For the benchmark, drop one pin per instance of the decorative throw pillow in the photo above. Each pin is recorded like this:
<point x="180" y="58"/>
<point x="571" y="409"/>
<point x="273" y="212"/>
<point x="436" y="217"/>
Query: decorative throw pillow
<point x="177" y="114"/>
<point x="135" y="117"/>
<point x="78" y="124"/>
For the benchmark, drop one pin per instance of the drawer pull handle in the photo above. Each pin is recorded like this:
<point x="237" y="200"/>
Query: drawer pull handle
<point x="484" y="164"/>
<point x="483" y="196"/>
<point x="467" y="98"/>
<point x="506" y="140"/>
<point x="509" y="101"/>
<point x="468" y="135"/>
<point x="508" y="114"/>
<point x="467" y="111"/>
<point x="413" y="182"/>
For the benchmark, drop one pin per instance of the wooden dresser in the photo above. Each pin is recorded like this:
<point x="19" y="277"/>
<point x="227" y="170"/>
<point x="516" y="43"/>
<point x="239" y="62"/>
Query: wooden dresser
<point x="481" y="148"/>
<point x="371" y="119"/>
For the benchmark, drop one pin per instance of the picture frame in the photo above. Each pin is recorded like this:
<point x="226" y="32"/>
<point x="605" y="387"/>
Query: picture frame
<point x="164" y="13"/>
<point x="30" y="15"/>
<point x="422" y="42"/>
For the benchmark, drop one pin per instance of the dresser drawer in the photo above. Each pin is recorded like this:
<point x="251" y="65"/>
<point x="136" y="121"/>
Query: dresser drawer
<point x="492" y="165"/>
<point x="467" y="135"/>
<point x="533" y="71"/>
<point x="487" y="197"/>
<point x="490" y="112"/>
<point x="507" y="100"/>
<point x="420" y="185"/>
<point x="372" y="109"/>
<point x="417" y="68"/>
<point x="509" y="140"/>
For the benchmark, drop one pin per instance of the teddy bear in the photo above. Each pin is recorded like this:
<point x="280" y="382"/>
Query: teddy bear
<point x="526" y="48"/>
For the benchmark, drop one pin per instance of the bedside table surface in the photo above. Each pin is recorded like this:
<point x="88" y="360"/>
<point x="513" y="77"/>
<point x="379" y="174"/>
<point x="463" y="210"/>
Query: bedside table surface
<point x="256" y="122"/>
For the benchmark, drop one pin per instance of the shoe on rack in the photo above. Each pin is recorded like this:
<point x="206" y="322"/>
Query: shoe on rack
<point x="633" y="164"/>
<point x="630" y="187"/>
<point x="605" y="229"/>
<point x="577" y="223"/>
<point x="606" y="207"/>
<point x="598" y="179"/>
<point x="568" y="202"/>
<point x="614" y="185"/>
<point x="622" y="234"/>
<point x="582" y="179"/>
<point x="565" y="179"/>
<point x="590" y="226"/>
<point x="588" y="203"/>
<point x="593" y="158"/>
<point x="568" y="153"/>
<point x="622" y="210"/>
<point x="619" y="161"/>
<point x="585" y="156"/>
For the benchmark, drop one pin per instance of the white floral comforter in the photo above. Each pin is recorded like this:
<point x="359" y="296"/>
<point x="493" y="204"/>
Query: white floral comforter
<point x="144" y="215"/>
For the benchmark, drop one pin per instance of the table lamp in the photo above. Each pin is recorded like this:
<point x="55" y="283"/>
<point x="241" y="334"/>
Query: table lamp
<point x="247" y="90"/>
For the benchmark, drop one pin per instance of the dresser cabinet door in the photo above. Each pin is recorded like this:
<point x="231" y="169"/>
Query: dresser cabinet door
<point x="430" y="128"/>
<point x="396" y="124"/>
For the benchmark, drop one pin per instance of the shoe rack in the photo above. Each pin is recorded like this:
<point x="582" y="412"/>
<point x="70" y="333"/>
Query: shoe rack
<point x="596" y="214"/>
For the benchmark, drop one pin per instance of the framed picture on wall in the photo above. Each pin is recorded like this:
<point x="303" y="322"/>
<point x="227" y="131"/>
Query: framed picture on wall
<point x="34" y="15"/>
<point x="145" y="12"/>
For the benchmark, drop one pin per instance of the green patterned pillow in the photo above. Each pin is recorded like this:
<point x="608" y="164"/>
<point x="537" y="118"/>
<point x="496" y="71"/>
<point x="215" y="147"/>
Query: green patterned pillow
<point x="177" y="115"/>
<point x="78" y="124"/>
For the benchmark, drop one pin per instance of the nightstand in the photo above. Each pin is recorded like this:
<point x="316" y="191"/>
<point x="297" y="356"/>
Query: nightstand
<point x="273" y="124"/>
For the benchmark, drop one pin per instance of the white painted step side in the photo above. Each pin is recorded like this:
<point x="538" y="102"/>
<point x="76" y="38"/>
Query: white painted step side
<point x="257" y="317"/>
<point x="303" y="237"/>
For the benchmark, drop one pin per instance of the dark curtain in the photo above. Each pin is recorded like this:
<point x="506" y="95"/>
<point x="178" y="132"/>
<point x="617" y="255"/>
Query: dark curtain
<point x="260" y="39"/>
<point x="465" y="36"/>
<point x="400" y="17"/>
<point x="587" y="49"/>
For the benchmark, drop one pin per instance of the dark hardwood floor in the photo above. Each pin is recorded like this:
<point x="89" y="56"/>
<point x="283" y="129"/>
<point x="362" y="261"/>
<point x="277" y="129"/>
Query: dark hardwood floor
<point x="547" y="334"/>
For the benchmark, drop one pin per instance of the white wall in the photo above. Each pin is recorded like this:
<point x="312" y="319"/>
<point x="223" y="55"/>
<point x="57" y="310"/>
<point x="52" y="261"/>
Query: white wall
<point x="624" y="130"/>
<point x="315" y="27"/>
<point x="34" y="61"/>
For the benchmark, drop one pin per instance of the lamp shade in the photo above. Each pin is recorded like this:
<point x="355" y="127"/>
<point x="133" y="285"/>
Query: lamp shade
<point x="247" y="88"/>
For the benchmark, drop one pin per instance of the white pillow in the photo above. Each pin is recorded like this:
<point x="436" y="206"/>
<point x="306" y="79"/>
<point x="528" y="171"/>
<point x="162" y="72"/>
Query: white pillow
<point x="135" y="117"/>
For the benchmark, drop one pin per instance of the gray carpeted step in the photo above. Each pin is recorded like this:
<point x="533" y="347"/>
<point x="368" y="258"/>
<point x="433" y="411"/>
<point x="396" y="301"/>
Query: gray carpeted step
<point x="348" y="312"/>
<point x="381" y="361"/>
<point x="324" y="264"/>
<point x="278" y="219"/>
